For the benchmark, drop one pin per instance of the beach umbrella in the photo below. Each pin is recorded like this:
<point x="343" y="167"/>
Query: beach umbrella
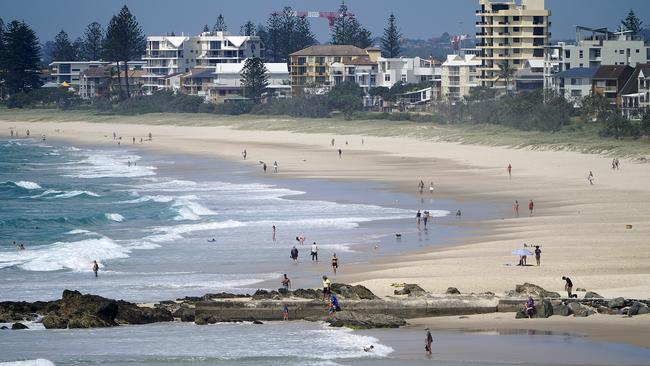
<point x="521" y="252"/>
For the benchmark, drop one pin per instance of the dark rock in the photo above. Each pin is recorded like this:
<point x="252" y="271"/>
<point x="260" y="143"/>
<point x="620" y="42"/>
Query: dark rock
<point x="18" y="326"/>
<point x="53" y="321"/>
<point x="592" y="295"/>
<point x="607" y="311"/>
<point x="185" y="313"/>
<point x="487" y="293"/>
<point x="89" y="321"/>
<point x="561" y="310"/>
<point x="635" y="308"/>
<point x="3" y="327"/>
<point x="356" y="292"/>
<point x="616" y="303"/>
<point x="128" y="313"/>
<point x="307" y="293"/>
<point x="580" y="289"/>
<point x="644" y="310"/>
<point x="578" y="310"/>
<point x="265" y="295"/>
<point x="201" y="321"/>
<point x="543" y="309"/>
<point x="283" y="291"/>
<point x="410" y="289"/>
<point x="452" y="291"/>
<point x="529" y="289"/>
<point x="257" y="322"/>
<point x="356" y="320"/>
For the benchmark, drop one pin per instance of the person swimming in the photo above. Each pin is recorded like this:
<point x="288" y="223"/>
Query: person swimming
<point x="213" y="240"/>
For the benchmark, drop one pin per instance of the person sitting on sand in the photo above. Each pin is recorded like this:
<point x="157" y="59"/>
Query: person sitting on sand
<point x="530" y="307"/>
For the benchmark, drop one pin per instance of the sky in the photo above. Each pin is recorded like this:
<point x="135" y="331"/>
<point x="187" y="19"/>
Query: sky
<point x="420" y="19"/>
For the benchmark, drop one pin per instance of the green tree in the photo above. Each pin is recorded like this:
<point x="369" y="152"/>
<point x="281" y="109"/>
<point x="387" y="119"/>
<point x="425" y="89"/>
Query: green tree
<point x="632" y="23"/>
<point x="64" y="50"/>
<point x="92" y="42"/>
<point x="617" y="126"/>
<point x="124" y="42"/>
<point x="254" y="78"/>
<point x="380" y="91"/>
<point x="645" y="122"/>
<point x="247" y="29"/>
<point x="302" y="36"/>
<point x="21" y="58"/>
<point x="206" y="29"/>
<point x="506" y="72"/>
<point x="220" y="24"/>
<point x="593" y="107"/>
<point x="347" y="30"/>
<point x="286" y="34"/>
<point x="346" y="97"/>
<point x="390" y="42"/>
<point x="274" y="46"/>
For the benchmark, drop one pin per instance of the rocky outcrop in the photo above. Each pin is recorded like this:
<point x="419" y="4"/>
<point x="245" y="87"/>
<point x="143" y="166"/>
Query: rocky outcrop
<point x="357" y="320"/>
<point x="529" y="289"/>
<point x="19" y="326"/>
<point x="543" y="309"/>
<point x="356" y="292"/>
<point x="616" y="303"/>
<point x="452" y="291"/>
<point x="592" y="295"/>
<point x="637" y="308"/>
<point x="410" y="289"/>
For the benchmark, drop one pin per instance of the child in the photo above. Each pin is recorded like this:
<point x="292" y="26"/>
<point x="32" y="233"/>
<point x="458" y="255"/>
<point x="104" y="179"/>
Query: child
<point x="285" y="313"/>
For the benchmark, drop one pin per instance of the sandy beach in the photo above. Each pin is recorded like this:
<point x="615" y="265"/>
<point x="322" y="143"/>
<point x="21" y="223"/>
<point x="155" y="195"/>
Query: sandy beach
<point x="581" y="228"/>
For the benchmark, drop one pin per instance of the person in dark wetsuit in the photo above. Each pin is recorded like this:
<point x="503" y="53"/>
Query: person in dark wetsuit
<point x="427" y="342"/>
<point x="294" y="254"/>
<point x="95" y="267"/>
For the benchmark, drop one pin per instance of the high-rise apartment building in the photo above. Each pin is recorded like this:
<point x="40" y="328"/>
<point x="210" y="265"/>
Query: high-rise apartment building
<point x="510" y="32"/>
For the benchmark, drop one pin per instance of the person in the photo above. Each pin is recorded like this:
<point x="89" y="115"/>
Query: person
<point x="43" y="138"/>
<point x="418" y="217"/>
<point x="340" y="152"/>
<point x="273" y="232"/>
<point x="362" y="141"/>
<point x="95" y="267"/>
<point x="431" y="188"/>
<point x="568" y="286"/>
<point x="459" y="214"/>
<point x="618" y="164"/>
<point x="213" y="240"/>
<point x="333" y="142"/>
<point x="114" y="136"/>
<point x="335" y="263"/>
<point x="428" y="339"/>
<point x="21" y="246"/>
<point x="27" y="133"/>
<point x="128" y="163"/>
<point x="300" y="239"/>
<point x="425" y="218"/>
<point x="538" y="254"/>
<point x="294" y="254"/>
<point x="286" y="282"/>
<point x="327" y="287"/>
<point x="275" y="167"/>
<point x="264" y="167"/>
<point x="614" y="164"/>
<point x="590" y="178"/>
<point x="334" y="304"/>
<point x="150" y="138"/>
<point x="515" y="208"/>
<point x="314" y="252"/>
<point x="285" y="312"/>
<point x="421" y="186"/>
<point x="369" y="349"/>
<point x="134" y="140"/>
<point x="141" y="140"/>
<point x="531" y="206"/>
<point x="12" y="132"/>
<point x="243" y="154"/>
<point x="530" y="307"/>
<point x="509" y="170"/>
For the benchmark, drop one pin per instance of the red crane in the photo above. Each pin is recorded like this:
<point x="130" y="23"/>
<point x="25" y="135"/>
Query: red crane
<point x="330" y="15"/>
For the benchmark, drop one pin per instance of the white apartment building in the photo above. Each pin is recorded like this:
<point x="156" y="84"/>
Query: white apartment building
<point x="70" y="71"/>
<point x="459" y="75"/>
<point x="167" y="55"/>
<point x="406" y="70"/>
<point x="574" y="84"/>
<point x="510" y="32"/>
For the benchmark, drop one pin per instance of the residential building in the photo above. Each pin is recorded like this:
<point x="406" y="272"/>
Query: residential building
<point x="458" y="76"/>
<point x="574" y="84"/>
<point x="636" y="92"/>
<point x="609" y="81"/>
<point x="70" y="71"/>
<point x="407" y="70"/>
<point x="510" y="32"/>
<point x="226" y="82"/>
<point x="95" y="82"/>
<point x="167" y="55"/>
<point x="530" y="77"/>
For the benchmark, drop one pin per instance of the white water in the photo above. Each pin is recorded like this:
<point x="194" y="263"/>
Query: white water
<point x="27" y="185"/>
<point x="114" y="217"/>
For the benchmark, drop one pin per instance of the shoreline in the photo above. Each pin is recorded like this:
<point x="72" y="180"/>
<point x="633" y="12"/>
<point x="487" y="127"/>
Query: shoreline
<point x="581" y="228"/>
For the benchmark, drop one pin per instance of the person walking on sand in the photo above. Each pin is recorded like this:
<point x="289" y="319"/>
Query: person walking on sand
<point x="531" y="206"/>
<point x="538" y="254"/>
<point x="418" y="218"/>
<point x="243" y="153"/>
<point x="314" y="252"/>
<point x="515" y="208"/>
<point x="264" y="167"/>
<point x="590" y="178"/>
<point x="340" y="152"/>
<point x="286" y="282"/>
<point x="150" y="138"/>
<point x="421" y="186"/>
<point x="294" y="254"/>
<point x="509" y="170"/>
<point x="95" y="267"/>
<point x="275" y="167"/>
<point x="327" y="288"/>
<point x="568" y="287"/>
<point x="133" y="140"/>
<point x="333" y="142"/>
<point x="335" y="263"/>
<point x="428" y="340"/>
<point x="273" y="228"/>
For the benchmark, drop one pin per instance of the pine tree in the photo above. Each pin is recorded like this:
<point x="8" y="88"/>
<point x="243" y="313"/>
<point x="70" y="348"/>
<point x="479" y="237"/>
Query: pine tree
<point x="364" y="38"/>
<point x="347" y="30"/>
<point x="302" y="35"/>
<point x="78" y="50"/>
<point x="63" y="48"/>
<point x="248" y="29"/>
<point x="21" y="58"/>
<point x="286" y="34"/>
<point x="254" y="78"/>
<point x="220" y="24"/>
<point x="206" y="29"/>
<point x="92" y="42"/>
<point x="124" y="42"/>
<point x="632" y="23"/>
<point x="390" y="41"/>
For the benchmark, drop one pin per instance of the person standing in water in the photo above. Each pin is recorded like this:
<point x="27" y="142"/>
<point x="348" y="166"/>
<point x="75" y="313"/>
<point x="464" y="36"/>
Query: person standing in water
<point x="264" y="167"/>
<point x="243" y="153"/>
<point x="314" y="252"/>
<point x="133" y="140"/>
<point x="421" y="186"/>
<point x="275" y="167"/>
<point x="418" y="218"/>
<point x="428" y="340"/>
<point x="294" y="254"/>
<point x="273" y="232"/>
<point x="431" y="188"/>
<point x="335" y="263"/>
<point x="150" y="138"/>
<point x="95" y="267"/>
<point x="333" y="142"/>
<point x="509" y="170"/>
<point x="340" y="152"/>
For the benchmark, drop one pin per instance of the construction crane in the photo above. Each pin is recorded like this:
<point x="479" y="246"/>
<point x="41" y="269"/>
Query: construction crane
<point x="330" y="15"/>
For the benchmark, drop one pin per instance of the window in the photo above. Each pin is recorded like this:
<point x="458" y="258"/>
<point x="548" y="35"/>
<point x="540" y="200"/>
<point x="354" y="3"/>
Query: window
<point x="516" y="62"/>
<point x="574" y="81"/>
<point x="403" y="78"/>
<point x="515" y="29"/>
<point x="337" y="59"/>
<point x="516" y="40"/>
<point x="576" y="93"/>
<point x="622" y="52"/>
<point x="387" y="77"/>
<point x="637" y="50"/>
<point x="581" y="65"/>
<point x="567" y="54"/>
<point x="515" y="19"/>
<point x="516" y="50"/>
<point x="581" y="54"/>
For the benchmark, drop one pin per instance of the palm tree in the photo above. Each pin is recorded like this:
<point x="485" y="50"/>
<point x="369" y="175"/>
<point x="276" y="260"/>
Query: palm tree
<point x="506" y="72"/>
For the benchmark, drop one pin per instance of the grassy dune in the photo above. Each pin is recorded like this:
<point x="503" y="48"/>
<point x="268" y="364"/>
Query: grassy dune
<point x="574" y="138"/>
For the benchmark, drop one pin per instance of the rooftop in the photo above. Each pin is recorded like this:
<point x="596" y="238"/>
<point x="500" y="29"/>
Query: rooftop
<point x="613" y="71"/>
<point x="632" y="84"/>
<point x="331" y="50"/>
<point x="578" y="72"/>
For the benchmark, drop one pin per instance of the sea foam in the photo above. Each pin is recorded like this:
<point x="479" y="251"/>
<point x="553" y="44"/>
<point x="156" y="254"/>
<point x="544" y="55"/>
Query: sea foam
<point x="114" y="217"/>
<point x="27" y="185"/>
